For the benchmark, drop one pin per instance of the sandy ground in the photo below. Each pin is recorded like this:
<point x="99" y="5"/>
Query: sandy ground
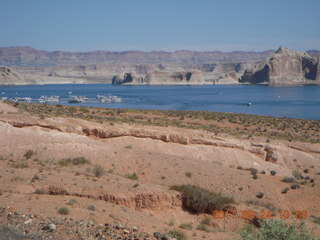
<point x="160" y="157"/>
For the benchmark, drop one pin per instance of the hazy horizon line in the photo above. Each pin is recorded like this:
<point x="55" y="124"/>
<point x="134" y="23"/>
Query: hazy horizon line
<point x="150" y="51"/>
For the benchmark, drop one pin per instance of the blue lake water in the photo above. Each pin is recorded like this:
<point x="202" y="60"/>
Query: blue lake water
<point x="293" y="102"/>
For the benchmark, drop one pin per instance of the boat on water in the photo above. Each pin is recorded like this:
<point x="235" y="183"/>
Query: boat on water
<point x="22" y="99"/>
<point x="49" y="99"/>
<point x="78" y="99"/>
<point x="109" y="99"/>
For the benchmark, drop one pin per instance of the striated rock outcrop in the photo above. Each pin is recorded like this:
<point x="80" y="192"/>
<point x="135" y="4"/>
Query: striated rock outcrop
<point x="159" y="77"/>
<point x="7" y="75"/>
<point x="284" y="67"/>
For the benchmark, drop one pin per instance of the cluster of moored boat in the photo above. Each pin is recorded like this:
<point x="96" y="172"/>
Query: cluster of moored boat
<point x="71" y="99"/>
<point x="49" y="99"/>
<point x="109" y="99"/>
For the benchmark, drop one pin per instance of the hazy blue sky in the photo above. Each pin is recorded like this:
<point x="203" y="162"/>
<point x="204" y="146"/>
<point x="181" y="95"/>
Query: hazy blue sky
<point x="85" y="25"/>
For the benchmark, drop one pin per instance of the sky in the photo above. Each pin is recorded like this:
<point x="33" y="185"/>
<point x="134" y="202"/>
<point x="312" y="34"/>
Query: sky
<point x="169" y="25"/>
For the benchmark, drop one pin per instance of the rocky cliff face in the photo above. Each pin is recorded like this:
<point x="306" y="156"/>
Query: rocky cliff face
<point x="159" y="77"/>
<point x="28" y="56"/>
<point x="284" y="67"/>
<point x="8" y="76"/>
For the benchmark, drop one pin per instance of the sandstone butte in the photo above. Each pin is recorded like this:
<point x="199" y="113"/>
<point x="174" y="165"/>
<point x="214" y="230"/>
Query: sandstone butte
<point x="26" y="65"/>
<point x="37" y="179"/>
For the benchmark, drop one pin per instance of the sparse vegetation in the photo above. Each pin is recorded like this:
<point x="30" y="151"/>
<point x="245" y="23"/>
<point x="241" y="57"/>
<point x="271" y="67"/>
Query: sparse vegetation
<point x="132" y="176"/>
<point x="98" y="171"/>
<point x="188" y="174"/>
<point x="92" y="207"/>
<point x="64" y="211"/>
<point x="20" y="165"/>
<point x="296" y="174"/>
<point x="129" y="147"/>
<point x="273" y="173"/>
<point x="276" y="230"/>
<point x="288" y="180"/>
<point x="204" y="227"/>
<point x="285" y="190"/>
<point x="242" y="124"/>
<point x="201" y="200"/>
<point x="72" y="202"/>
<point x="263" y="172"/>
<point x="74" y="161"/>
<point x="186" y="226"/>
<point x="260" y="195"/>
<point x="29" y="154"/>
<point x="176" y="234"/>
<point x="295" y="186"/>
<point x="41" y="191"/>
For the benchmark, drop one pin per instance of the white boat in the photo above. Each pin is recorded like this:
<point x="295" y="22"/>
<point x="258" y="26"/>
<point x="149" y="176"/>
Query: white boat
<point x="50" y="99"/>
<point x="109" y="99"/>
<point x="22" y="99"/>
<point x="78" y="99"/>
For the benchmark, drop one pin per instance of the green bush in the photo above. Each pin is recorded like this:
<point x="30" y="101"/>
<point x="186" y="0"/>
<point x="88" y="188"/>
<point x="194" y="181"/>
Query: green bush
<point x="186" y="226"/>
<point x="273" y="173"/>
<point x="288" y="180"/>
<point x="179" y="235"/>
<point x="74" y="161"/>
<point x="188" y="174"/>
<point x="204" y="227"/>
<point x="98" y="171"/>
<point x="64" y="211"/>
<point x="201" y="200"/>
<point x="132" y="176"/>
<point x="277" y="230"/>
<point x="29" y="154"/>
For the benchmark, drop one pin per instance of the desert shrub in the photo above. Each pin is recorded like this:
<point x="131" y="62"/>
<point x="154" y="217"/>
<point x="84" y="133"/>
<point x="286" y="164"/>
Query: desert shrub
<point x="35" y="178"/>
<point x="204" y="227"/>
<point x="295" y="186"/>
<point x="306" y="170"/>
<point x="273" y="173"/>
<point x="263" y="172"/>
<point x="20" y="165"/>
<point x="41" y="191"/>
<point x="260" y="195"/>
<point x="188" y="174"/>
<point x="255" y="176"/>
<point x="179" y="235"/>
<point x="74" y="161"/>
<point x="276" y="230"/>
<point x="186" y="226"/>
<point x="132" y="176"/>
<point x="29" y="154"/>
<point x="285" y="190"/>
<point x="92" y="207"/>
<point x="296" y="174"/>
<point x="240" y="168"/>
<point x="288" y="180"/>
<point x="64" y="211"/>
<point x="72" y="201"/>
<point x="316" y="219"/>
<point x="201" y="200"/>
<point x="98" y="171"/>
<point x="253" y="171"/>
<point x="129" y="147"/>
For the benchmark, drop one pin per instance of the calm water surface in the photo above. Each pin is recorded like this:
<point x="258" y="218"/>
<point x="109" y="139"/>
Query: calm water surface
<point x="295" y="102"/>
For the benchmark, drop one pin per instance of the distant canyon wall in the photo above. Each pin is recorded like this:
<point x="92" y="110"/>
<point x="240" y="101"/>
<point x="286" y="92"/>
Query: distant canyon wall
<point x="26" y="65"/>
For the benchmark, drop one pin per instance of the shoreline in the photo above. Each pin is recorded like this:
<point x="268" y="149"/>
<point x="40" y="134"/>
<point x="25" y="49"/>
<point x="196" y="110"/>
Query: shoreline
<point x="168" y="84"/>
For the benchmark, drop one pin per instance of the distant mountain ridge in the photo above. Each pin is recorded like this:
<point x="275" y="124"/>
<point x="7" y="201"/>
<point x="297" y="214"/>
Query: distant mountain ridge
<point x="29" y="56"/>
